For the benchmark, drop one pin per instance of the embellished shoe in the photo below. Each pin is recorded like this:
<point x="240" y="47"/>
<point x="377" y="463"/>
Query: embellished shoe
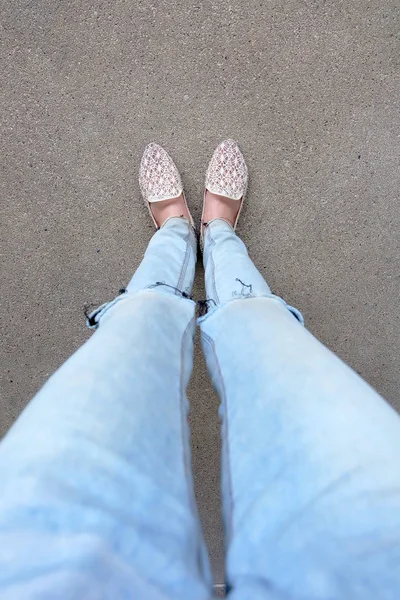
<point x="226" y="176"/>
<point x="159" y="179"/>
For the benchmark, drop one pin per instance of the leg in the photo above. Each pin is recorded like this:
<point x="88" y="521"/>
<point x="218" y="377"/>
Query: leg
<point x="97" y="497"/>
<point x="311" y="482"/>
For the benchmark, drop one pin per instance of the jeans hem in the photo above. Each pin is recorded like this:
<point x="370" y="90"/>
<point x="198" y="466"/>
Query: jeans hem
<point x="295" y="312"/>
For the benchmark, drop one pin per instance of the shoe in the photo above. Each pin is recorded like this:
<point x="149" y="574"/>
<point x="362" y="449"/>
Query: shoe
<point x="159" y="179"/>
<point x="227" y="175"/>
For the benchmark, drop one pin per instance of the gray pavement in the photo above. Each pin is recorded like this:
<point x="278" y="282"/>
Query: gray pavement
<point x="310" y="90"/>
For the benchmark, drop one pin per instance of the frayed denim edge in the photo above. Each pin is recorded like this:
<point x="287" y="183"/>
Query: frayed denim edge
<point x="295" y="312"/>
<point x="93" y="319"/>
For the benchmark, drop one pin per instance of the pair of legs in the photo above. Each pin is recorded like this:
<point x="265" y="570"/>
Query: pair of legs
<point x="96" y="487"/>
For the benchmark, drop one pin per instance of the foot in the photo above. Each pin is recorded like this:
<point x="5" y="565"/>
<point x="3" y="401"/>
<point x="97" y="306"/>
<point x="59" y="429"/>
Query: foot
<point x="161" y="186"/>
<point x="165" y="209"/>
<point x="226" y="184"/>
<point x="220" y="207"/>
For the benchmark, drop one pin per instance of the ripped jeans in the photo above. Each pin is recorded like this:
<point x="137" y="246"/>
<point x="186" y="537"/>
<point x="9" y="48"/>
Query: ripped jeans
<point x="96" y="487"/>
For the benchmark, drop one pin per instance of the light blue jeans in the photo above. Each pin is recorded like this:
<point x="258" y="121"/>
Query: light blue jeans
<point x="96" y="488"/>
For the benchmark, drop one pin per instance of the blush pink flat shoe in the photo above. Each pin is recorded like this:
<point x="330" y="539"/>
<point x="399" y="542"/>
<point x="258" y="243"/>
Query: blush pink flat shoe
<point x="227" y="175"/>
<point x="159" y="179"/>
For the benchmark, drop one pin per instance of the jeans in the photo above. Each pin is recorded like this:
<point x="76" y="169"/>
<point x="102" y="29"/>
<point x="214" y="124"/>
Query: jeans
<point x="96" y="488"/>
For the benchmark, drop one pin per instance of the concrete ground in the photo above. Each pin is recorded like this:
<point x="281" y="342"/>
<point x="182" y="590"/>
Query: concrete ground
<point x="310" y="90"/>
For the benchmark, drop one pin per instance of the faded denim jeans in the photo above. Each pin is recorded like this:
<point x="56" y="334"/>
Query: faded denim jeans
<point x="96" y="487"/>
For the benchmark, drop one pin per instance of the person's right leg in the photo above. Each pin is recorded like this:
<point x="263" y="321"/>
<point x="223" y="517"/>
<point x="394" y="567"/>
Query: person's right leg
<point x="96" y="490"/>
<point x="311" y="476"/>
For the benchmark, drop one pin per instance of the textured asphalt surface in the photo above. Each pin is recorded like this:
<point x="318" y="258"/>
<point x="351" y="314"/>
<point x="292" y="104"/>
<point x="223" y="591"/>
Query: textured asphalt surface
<point x="309" y="88"/>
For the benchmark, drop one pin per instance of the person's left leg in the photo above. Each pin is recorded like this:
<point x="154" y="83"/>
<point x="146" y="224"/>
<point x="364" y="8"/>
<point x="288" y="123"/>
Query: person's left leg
<point x="311" y="482"/>
<point x="97" y="497"/>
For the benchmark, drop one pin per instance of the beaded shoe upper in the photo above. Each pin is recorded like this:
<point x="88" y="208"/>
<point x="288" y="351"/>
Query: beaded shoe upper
<point x="227" y="173"/>
<point x="159" y="178"/>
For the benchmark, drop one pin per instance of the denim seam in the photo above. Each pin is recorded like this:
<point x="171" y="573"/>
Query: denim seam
<point x="211" y="258"/>
<point x="186" y="445"/>
<point x="184" y="263"/>
<point x="182" y="397"/>
<point x="224" y="403"/>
